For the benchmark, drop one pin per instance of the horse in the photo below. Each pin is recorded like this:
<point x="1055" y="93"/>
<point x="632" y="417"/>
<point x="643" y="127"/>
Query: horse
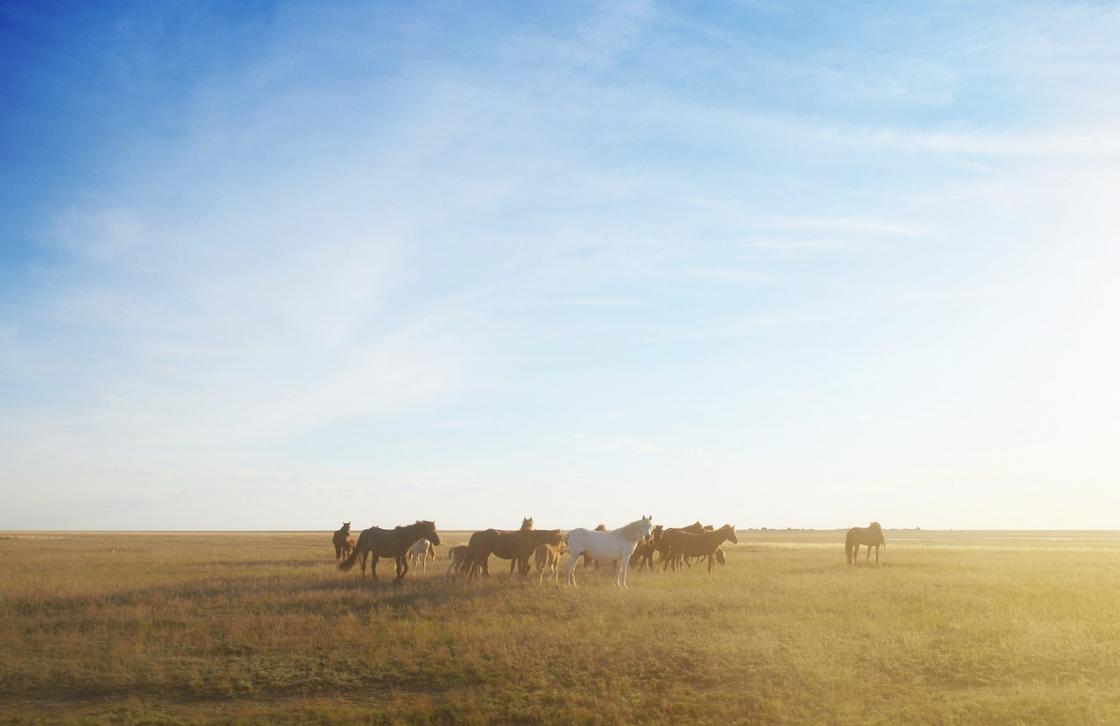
<point x="526" y="525"/>
<point x="682" y="544"/>
<point x="348" y="546"/>
<point x="872" y="536"/>
<point x="460" y="556"/>
<point x="389" y="543"/>
<point x="339" y="540"/>
<point x="616" y="545"/>
<point x="547" y="557"/>
<point x="421" y="552"/>
<point x="662" y="545"/>
<point x="587" y="561"/>
<point x="643" y="553"/>
<point x="517" y="546"/>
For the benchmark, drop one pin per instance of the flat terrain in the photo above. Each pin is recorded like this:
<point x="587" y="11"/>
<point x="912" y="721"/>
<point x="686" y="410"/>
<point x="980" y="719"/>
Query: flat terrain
<point x="953" y="627"/>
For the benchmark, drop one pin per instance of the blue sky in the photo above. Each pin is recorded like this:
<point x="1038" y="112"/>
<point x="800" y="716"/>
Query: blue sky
<point x="279" y="265"/>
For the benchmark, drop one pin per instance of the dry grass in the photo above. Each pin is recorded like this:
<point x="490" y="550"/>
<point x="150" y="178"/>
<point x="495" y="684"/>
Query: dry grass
<point x="952" y="628"/>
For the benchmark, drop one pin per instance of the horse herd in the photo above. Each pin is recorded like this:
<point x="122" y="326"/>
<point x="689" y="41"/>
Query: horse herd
<point x="632" y="546"/>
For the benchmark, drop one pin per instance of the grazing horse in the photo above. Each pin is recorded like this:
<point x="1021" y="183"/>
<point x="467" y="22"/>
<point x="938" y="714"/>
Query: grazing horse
<point x="421" y="552"/>
<point x="460" y="556"/>
<point x="339" y="540"/>
<point x="643" y="553"/>
<point x="872" y="536"/>
<point x="682" y="544"/>
<point x="617" y="546"/>
<point x="517" y="546"/>
<point x="389" y="543"/>
<point x="547" y="557"/>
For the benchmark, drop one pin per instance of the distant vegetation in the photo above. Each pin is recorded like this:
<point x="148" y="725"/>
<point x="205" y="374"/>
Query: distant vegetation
<point x="952" y="627"/>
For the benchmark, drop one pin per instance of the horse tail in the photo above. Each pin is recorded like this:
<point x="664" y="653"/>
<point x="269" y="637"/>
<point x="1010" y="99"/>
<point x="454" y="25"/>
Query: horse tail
<point x="348" y="564"/>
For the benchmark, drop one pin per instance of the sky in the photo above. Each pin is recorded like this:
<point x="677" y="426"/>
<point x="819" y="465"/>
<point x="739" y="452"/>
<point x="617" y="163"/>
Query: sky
<point x="281" y="265"/>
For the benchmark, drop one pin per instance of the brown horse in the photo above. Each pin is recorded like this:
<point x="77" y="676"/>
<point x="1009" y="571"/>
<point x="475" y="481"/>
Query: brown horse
<point x="460" y="556"/>
<point x="389" y="543"/>
<point x="547" y="558"/>
<point x="339" y="540"/>
<point x="348" y="545"/>
<point x="682" y="544"/>
<point x="662" y="546"/>
<point x="526" y="525"/>
<point x="872" y="536"/>
<point x="643" y="553"/>
<point x="517" y="546"/>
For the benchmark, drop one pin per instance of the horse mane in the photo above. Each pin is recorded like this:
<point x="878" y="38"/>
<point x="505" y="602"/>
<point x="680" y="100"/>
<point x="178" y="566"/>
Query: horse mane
<point x="631" y="529"/>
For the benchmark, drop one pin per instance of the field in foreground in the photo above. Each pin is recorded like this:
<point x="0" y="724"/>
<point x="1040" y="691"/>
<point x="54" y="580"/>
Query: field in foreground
<point x="952" y="627"/>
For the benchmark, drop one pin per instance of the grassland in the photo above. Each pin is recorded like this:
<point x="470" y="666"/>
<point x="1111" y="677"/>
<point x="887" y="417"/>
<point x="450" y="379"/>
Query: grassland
<point x="952" y="628"/>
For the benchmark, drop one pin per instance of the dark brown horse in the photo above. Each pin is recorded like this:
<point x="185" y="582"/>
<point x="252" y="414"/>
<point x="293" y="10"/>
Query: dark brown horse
<point x="339" y="540"/>
<point x="872" y="536"/>
<point x="517" y="546"/>
<point x="643" y="553"/>
<point x="682" y="544"/>
<point x="460" y="556"/>
<point x="389" y="543"/>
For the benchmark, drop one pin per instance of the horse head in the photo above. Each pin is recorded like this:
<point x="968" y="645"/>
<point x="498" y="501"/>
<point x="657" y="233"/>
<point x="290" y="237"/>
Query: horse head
<point x="345" y="526"/>
<point x="879" y="530"/>
<point x="526" y="524"/>
<point x="647" y="525"/>
<point x="730" y="528"/>
<point x="428" y="531"/>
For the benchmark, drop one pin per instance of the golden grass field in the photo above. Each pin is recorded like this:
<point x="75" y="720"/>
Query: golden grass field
<point x="967" y="627"/>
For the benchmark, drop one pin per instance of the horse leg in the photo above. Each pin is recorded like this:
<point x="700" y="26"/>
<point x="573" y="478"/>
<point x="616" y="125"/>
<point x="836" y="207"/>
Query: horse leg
<point x="373" y="568"/>
<point x="365" y="556"/>
<point x="855" y="554"/>
<point x="876" y="554"/>
<point x="711" y="561"/>
<point x="570" y="574"/>
<point x="868" y="557"/>
<point x="402" y="568"/>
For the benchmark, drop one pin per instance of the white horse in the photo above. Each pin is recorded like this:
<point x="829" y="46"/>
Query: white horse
<point x="606" y="546"/>
<point x="420" y="553"/>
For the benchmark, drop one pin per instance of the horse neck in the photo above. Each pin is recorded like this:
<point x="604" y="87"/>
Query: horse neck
<point x="631" y="531"/>
<point x="412" y="532"/>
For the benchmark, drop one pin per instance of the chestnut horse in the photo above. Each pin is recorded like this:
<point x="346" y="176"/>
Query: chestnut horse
<point x="872" y="536"/>
<point x="348" y="546"/>
<point x="643" y="553"/>
<point x="389" y="543"/>
<point x="547" y="557"/>
<point x="682" y="544"/>
<point x="339" y="540"/>
<point x="526" y="525"/>
<point x="662" y="545"/>
<point x="517" y="546"/>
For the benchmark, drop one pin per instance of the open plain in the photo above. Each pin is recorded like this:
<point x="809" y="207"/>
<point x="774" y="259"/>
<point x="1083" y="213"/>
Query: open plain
<point x="952" y="627"/>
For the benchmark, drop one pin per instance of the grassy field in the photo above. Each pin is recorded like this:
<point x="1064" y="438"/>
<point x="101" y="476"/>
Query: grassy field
<point x="952" y="628"/>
